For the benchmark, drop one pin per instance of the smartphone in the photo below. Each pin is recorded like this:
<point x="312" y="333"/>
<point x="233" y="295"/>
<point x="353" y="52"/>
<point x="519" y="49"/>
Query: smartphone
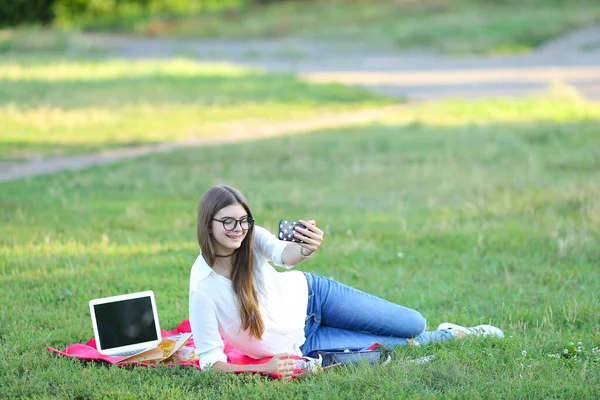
<point x="286" y="230"/>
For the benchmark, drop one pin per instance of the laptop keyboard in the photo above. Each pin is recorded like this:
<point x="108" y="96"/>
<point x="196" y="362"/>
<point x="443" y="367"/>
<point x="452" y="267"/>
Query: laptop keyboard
<point x="128" y="353"/>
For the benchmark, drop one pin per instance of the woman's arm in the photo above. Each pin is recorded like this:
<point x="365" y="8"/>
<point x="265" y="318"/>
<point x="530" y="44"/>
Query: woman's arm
<point x="280" y="364"/>
<point x="311" y="237"/>
<point x="203" y="321"/>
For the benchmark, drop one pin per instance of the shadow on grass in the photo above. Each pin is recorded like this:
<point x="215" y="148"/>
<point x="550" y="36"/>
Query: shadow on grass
<point x="39" y="150"/>
<point x="212" y="91"/>
<point x="469" y="175"/>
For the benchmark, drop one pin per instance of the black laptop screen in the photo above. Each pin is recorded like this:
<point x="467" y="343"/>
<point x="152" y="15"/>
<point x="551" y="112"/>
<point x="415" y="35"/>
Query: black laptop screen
<point x="125" y="322"/>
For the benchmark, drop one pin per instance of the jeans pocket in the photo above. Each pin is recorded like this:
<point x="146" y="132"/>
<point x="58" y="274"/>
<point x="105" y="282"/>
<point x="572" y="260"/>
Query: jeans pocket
<point x="309" y="307"/>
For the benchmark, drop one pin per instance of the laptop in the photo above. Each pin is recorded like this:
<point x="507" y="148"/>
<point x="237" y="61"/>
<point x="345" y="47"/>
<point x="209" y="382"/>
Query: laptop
<point x="126" y="324"/>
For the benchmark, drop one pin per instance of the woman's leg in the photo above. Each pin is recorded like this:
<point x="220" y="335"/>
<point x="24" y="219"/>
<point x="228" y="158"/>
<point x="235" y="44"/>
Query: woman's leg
<point x="325" y="337"/>
<point x="339" y="316"/>
<point x="340" y="306"/>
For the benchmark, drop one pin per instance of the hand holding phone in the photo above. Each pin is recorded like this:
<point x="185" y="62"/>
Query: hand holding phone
<point x="287" y="231"/>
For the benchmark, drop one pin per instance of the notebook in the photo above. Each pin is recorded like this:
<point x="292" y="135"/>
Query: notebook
<point x="126" y="324"/>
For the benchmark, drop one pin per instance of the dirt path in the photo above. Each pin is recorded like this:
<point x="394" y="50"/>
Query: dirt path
<point x="573" y="59"/>
<point x="236" y="133"/>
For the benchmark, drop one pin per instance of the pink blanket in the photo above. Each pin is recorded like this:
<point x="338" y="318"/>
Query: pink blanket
<point x="88" y="352"/>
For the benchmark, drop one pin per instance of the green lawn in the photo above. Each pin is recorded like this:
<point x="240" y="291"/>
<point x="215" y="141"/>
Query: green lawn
<point x="449" y="26"/>
<point x="487" y="220"/>
<point x="456" y="26"/>
<point x="51" y="105"/>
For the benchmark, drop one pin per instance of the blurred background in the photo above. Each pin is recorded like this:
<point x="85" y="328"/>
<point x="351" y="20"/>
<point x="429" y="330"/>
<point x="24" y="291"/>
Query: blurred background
<point x="418" y="49"/>
<point x="491" y="26"/>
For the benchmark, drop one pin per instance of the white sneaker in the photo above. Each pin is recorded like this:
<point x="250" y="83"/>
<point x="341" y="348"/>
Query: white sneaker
<point x="479" y="330"/>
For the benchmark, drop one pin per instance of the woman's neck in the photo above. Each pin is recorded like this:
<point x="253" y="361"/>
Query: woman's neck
<point x="223" y="267"/>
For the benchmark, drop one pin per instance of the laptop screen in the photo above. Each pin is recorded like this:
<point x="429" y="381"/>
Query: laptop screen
<point x="125" y="322"/>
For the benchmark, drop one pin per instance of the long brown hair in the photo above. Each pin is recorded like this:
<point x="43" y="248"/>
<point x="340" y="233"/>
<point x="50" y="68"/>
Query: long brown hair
<point x="212" y="201"/>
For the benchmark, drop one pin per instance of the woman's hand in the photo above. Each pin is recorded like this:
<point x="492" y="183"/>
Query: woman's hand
<point x="281" y="364"/>
<point x="311" y="236"/>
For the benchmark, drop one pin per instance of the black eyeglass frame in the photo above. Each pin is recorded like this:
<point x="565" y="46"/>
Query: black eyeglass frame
<point x="250" y="221"/>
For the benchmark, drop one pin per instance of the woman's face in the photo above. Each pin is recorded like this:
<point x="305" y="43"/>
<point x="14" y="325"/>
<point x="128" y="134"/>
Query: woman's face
<point x="226" y="241"/>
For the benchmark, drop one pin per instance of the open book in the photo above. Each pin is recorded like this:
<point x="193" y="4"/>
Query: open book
<point x="169" y="349"/>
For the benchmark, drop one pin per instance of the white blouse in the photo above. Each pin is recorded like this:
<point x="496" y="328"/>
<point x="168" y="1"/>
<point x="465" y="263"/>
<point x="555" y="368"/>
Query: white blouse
<point x="282" y="296"/>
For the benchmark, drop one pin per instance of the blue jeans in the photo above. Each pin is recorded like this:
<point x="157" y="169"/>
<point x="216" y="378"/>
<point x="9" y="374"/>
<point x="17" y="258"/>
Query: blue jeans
<point x="339" y="316"/>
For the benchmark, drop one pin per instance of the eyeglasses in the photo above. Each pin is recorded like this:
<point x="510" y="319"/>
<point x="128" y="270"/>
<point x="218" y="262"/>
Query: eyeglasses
<point x="229" y="224"/>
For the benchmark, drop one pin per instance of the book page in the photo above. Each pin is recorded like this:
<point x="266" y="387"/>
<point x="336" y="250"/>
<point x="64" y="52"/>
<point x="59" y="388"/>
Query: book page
<point x="165" y="349"/>
<point x="179" y="343"/>
<point x="153" y="354"/>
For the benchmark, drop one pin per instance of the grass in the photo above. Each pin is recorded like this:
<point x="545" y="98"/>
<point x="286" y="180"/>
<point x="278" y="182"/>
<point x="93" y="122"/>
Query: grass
<point x="487" y="220"/>
<point x="33" y="39"/>
<point x="451" y="27"/>
<point x="53" y="106"/>
<point x="559" y="107"/>
<point x="454" y="27"/>
<point x="458" y="27"/>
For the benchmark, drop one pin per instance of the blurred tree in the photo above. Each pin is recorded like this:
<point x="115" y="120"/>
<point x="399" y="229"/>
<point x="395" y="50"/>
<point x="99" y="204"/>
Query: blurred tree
<point x="268" y="1"/>
<point x="107" y="13"/>
<point x="115" y="14"/>
<point x="16" y="12"/>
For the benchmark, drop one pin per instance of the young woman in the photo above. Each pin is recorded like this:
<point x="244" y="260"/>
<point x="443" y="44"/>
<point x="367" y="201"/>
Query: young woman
<point x="236" y="294"/>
